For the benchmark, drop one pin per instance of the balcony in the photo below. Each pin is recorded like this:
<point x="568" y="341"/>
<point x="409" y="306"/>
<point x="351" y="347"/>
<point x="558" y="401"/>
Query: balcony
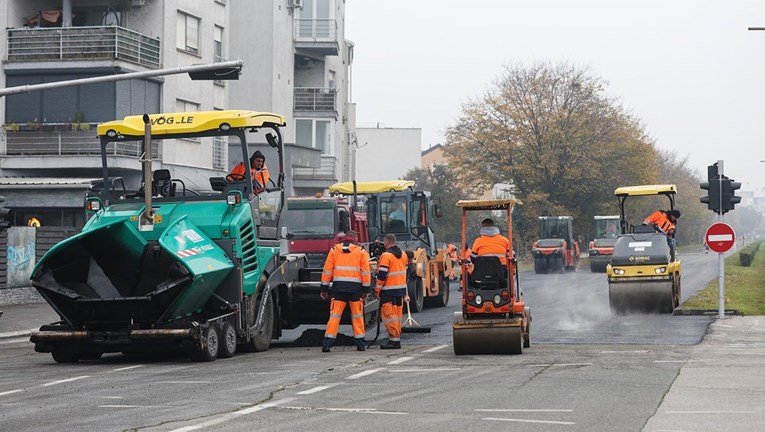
<point x="317" y="35"/>
<point x="64" y="139"/>
<point x="83" y="44"/>
<point x="321" y="177"/>
<point x="315" y="99"/>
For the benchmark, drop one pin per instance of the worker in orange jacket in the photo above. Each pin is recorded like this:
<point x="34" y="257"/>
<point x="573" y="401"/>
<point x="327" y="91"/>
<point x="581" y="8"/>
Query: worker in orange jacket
<point x="347" y="268"/>
<point x="451" y="252"/>
<point x="391" y="289"/>
<point x="258" y="170"/>
<point x="491" y="242"/>
<point x="664" y="220"/>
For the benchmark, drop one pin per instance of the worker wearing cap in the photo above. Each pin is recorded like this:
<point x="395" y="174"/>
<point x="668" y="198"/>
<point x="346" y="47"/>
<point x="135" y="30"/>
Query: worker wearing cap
<point x="258" y="170"/>
<point x="491" y="243"/>
<point x="391" y="289"/>
<point x="347" y="268"/>
<point x="664" y="220"/>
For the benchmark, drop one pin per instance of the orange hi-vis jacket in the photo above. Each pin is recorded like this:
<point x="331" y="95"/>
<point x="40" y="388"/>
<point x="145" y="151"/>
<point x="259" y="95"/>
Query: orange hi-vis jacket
<point x="496" y="245"/>
<point x="391" y="274"/>
<point x="661" y="220"/>
<point x="451" y="250"/>
<point x="347" y="267"/>
<point x="260" y="176"/>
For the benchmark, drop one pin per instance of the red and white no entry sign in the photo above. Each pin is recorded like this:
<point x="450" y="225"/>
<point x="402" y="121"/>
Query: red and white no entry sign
<point x="720" y="237"/>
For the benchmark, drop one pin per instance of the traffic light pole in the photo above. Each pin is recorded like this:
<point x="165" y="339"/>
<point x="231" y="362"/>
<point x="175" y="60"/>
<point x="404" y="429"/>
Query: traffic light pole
<point x="720" y="255"/>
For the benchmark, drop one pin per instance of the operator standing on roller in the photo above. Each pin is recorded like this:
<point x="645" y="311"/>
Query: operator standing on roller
<point x="391" y="290"/>
<point x="347" y="267"/>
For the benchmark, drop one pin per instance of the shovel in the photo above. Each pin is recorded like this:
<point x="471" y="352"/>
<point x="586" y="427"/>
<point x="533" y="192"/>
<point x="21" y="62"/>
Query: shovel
<point x="412" y="326"/>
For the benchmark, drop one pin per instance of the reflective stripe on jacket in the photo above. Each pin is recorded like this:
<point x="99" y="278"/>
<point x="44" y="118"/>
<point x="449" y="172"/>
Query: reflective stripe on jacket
<point x="391" y="274"/>
<point x="496" y="245"/>
<point x="347" y="267"/>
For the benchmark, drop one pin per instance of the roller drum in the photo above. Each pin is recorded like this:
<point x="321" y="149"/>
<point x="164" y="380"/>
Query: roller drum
<point x="486" y="336"/>
<point x="647" y="297"/>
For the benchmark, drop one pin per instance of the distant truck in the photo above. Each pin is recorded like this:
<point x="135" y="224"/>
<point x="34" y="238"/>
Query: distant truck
<point x="556" y="250"/>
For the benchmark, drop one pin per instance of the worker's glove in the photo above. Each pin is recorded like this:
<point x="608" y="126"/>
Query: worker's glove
<point x="377" y="292"/>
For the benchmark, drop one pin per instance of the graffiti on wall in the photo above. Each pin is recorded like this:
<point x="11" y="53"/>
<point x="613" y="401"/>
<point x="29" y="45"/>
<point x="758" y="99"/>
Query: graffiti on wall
<point x="21" y="256"/>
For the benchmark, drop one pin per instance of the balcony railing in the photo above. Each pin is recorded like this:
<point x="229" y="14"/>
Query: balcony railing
<point x="63" y="139"/>
<point x="83" y="43"/>
<point x="324" y="172"/>
<point x="315" y="99"/>
<point x="317" y="34"/>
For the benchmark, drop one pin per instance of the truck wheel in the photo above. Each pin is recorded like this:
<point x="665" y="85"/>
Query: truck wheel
<point x="416" y="299"/>
<point x="540" y="266"/>
<point x="65" y="357"/>
<point x="261" y="340"/>
<point x="209" y="351"/>
<point x="442" y="299"/>
<point x="227" y="346"/>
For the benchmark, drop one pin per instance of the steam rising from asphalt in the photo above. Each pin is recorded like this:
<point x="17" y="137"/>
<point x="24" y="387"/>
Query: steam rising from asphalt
<point x="575" y="308"/>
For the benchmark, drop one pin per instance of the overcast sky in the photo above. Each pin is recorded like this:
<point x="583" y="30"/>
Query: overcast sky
<point x="689" y="69"/>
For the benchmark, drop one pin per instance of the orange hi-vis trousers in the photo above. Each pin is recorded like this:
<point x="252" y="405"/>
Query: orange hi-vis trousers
<point x="391" y="315"/>
<point x="336" y="308"/>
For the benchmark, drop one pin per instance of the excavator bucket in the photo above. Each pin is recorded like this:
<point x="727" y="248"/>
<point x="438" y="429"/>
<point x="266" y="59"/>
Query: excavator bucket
<point x="113" y="274"/>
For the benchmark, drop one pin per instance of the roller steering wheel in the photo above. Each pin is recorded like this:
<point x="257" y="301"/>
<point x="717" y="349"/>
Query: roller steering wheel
<point x="235" y="177"/>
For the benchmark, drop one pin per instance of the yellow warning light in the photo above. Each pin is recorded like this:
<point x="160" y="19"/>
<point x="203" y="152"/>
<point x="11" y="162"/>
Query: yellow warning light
<point x="34" y="222"/>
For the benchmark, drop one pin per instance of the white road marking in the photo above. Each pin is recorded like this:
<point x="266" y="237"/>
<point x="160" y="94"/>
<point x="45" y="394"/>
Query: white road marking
<point x="233" y="415"/>
<point x="436" y="348"/>
<point x="400" y="360"/>
<point x="314" y="390"/>
<point x="710" y="412"/>
<point x="670" y="361"/>
<point x="131" y="406"/>
<point x="572" y="364"/>
<point x="111" y="397"/>
<point x="352" y="410"/>
<point x="17" y="333"/>
<point x="184" y="382"/>
<point x="24" y="339"/>
<point x="425" y="370"/>
<point x="11" y="392"/>
<point x="724" y="325"/>
<point x="626" y="352"/>
<point x="529" y="421"/>
<point x="365" y="373"/>
<point x="127" y="368"/>
<point x="65" y="380"/>
<point x="539" y="365"/>
<point x="524" y="410"/>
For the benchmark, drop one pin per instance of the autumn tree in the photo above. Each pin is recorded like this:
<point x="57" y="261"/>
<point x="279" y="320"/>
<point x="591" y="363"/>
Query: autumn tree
<point x="554" y="134"/>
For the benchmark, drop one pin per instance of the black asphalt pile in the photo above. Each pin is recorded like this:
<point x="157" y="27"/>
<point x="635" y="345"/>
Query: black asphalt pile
<point x="314" y="338"/>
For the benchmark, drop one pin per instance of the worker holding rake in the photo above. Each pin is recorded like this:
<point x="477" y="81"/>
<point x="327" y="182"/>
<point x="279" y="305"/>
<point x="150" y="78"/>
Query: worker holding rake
<point x="391" y="290"/>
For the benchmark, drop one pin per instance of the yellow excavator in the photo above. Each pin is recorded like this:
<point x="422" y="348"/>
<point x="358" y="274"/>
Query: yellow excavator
<point x="644" y="273"/>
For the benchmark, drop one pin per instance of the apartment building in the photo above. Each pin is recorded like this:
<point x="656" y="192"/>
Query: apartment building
<point x="296" y="64"/>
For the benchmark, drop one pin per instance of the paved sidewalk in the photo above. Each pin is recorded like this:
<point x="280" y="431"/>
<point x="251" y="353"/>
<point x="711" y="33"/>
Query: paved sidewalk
<point x="722" y="386"/>
<point x="20" y="320"/>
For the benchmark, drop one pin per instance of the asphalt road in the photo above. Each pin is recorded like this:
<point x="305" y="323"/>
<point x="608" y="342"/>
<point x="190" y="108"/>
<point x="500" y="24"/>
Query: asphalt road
<point x="585" y="371"/>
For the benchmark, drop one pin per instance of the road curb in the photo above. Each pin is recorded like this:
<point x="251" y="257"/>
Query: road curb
<point x="706" y="312"/>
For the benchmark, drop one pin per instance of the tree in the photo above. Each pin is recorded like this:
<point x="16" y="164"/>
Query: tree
<point x="553" y="133"/>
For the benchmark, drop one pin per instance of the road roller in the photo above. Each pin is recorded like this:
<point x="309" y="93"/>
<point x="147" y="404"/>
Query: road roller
<point x="494" y="318"/>
<point x="644" y="273"/>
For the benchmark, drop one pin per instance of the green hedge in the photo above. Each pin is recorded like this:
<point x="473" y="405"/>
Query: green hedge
<point x="747" y="254"/>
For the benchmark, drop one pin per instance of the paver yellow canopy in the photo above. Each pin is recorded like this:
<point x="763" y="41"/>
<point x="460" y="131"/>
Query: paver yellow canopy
<point x="347" y="188"/>
<point x="644" y="273"/>
<point x="494" y="318"/>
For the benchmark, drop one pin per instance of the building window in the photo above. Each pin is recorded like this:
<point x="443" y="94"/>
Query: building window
<point x="186" y="106"/>
<point x="187" y="33"/>
<point x="315" y="133"/>
<point x="218" y="44"/>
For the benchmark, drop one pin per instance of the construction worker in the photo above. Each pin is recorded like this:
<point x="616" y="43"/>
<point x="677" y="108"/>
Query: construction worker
<point x="391" y="290"/>
<point x="491" y="243"/>
<point x="258" y="170"/>
<point x="663" y="220"/>
<point x="347" y="267"/>
<point x="451" y="252"/>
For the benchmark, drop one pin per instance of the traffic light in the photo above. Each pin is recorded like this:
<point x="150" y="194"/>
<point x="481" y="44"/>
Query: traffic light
<point x="728" y="191"/>
<point x="713" y="199"/>
<point x="4" y="224"/>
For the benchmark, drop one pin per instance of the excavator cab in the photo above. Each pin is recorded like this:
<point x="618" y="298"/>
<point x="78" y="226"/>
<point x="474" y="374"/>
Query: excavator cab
<point x="494" y="318"/>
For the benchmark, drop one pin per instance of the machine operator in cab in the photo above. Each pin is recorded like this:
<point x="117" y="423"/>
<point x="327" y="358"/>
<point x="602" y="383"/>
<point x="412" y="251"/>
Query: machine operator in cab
<point x="664" y="220"/>
<point x="491" y="243"/>
<point x="258" y="170"/>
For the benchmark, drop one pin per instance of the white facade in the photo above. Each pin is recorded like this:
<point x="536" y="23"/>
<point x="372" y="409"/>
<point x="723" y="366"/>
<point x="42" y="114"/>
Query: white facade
<point x="387" y="153"/>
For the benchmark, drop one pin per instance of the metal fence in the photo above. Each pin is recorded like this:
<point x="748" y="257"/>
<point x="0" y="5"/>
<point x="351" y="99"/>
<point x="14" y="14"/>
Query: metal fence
<point x="68" y="143"/>
<point x="315" y="99"/>
<point x="83" y="43"/>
